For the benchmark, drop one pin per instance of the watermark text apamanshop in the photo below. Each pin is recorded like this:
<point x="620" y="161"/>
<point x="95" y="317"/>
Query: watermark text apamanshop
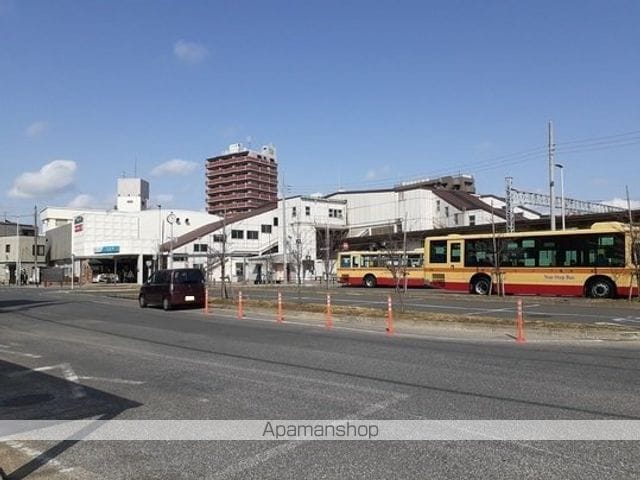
<point x="326" y="431"/>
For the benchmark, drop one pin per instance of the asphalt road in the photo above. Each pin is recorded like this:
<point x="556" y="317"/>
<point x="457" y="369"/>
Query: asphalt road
<point x="88" y="356"/>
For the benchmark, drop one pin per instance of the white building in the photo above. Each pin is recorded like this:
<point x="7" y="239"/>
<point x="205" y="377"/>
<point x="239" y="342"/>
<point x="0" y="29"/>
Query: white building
<point x="18" y="245"/>
<point x="125" y="240"/>
<point x="250" y="246"/>
<point x="255" y="246"/>
<point x="419" y="206"/>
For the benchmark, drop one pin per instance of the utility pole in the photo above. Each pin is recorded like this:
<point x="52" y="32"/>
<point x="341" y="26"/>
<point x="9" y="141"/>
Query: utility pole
<point x="223" y="259"/>
<point x="404" y="251"/>
<point x="36" y="273"/>
<point x="284" y="232"/>
<point x="326" y="253"/>
<point x="552" y="201"/>
<point x="73" y="227"/>
<point x="511" y="222"/>
<point x="18" y="263"/>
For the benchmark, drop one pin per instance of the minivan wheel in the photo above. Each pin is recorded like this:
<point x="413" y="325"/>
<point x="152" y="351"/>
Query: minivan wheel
<point x="142" y="301"/>
<point x="166" y="304"/>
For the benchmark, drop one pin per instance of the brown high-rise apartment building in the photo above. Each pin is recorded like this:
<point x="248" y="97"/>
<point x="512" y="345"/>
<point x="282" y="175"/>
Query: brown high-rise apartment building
<point x="241" y="180"/>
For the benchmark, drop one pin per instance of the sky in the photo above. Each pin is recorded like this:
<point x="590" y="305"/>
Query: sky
<point x="353" y="94"/>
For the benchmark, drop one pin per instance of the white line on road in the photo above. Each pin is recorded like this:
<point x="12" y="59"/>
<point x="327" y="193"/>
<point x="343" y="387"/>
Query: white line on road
<point x="266" y="455"/>
<point x="77" y="390"/>
<point x="20" y="354"/>
<point x="112" y="380"/>
<point x="42" y="457"/>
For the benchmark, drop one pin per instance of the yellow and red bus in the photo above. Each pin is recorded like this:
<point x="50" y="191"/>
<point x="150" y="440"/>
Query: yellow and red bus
<point x="371" y="269"/>
<point x="596" y="262"/>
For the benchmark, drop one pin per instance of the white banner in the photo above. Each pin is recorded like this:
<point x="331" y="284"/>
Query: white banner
<point x="278" y="430"/>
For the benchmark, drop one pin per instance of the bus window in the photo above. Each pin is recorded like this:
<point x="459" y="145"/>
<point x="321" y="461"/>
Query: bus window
<point x="455" y="252"/>
<point x="438" y="251"/>
<point x="547" y="254"/>
<point x="415" y="260"/>
<point x="354" y="261"/>
<point x="345" y="261"/>
<point x="477" y="253"/>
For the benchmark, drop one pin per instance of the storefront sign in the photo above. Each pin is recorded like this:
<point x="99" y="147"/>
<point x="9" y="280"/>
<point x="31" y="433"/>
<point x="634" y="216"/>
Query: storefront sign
<point x="107" y="249"/>
<point x="78" y="223"/>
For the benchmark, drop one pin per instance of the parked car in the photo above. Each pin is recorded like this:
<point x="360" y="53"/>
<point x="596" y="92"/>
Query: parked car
<point x="105" y="278"/>
<point x="170" y="288"/>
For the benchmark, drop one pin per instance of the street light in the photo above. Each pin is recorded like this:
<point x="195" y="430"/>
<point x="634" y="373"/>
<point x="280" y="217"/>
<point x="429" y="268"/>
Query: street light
<point x="160" y="239"/>
<point x="561" y="167"/>
<point x="171" y="218"/>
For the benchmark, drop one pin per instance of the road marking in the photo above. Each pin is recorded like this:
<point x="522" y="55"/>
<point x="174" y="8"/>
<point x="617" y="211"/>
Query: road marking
<point x="42" y="457"/>
<point x="112" y="380"/>
<point x="626" y="320"/>
<point x="266" y="455"/>
<point x="77" y="390"/>
<point x="20" y="354"/>
<point x="493" y="310"/>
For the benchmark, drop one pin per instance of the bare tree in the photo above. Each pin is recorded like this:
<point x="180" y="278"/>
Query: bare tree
<point x="217" y="256"/>
<point x="393" y="256"/>
<point x="634" y="234"/>
<point x="328" y="243"/>
<point x="298" y="250"/>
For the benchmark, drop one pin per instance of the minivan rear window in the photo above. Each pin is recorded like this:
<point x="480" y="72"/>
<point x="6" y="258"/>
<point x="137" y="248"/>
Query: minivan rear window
<point x="188" y="276"/>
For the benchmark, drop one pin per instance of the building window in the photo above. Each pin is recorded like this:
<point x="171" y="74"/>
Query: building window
<point x="456" y="219"/>
<point x="199" y="247"/>
<point x="437" y="205"/>
<point x="7" y="248"/>
<point x="237" y="234"/>
<point x="293" y="212"/>
<point x="218" y="237"/>
<point x="275" y="221"/>
<point x="472" y="220"/>
<point x="307" y="211"/>
<point x="40" y="250"/>
<point x="446" y="212"/>
<point x="252" y="235"/>
<point x="335" y="213"/>
<point x="265" y="228"/>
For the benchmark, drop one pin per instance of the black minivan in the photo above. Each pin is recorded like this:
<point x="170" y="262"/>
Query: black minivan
<point x="177" y="287"/>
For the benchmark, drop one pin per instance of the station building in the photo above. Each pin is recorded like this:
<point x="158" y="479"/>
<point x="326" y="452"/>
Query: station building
<point x="124" y="240"/>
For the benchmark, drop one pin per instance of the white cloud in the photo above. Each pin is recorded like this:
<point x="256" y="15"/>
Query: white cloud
<point x="381" y="172"/>
<point x="164" y="198"/>
<point x="190" y="52"/>
<point x="622" y="203"/>
<point x="81" y="201"/>
<point x="53" y="178"/>
<point x="36" y="129"/>
<point x="174" y="167"/>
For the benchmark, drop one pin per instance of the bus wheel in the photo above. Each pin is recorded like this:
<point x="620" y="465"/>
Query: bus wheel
<point x="370" y="281"/>
<point x="600" y="287"/>
<point x="481" y="285"/>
